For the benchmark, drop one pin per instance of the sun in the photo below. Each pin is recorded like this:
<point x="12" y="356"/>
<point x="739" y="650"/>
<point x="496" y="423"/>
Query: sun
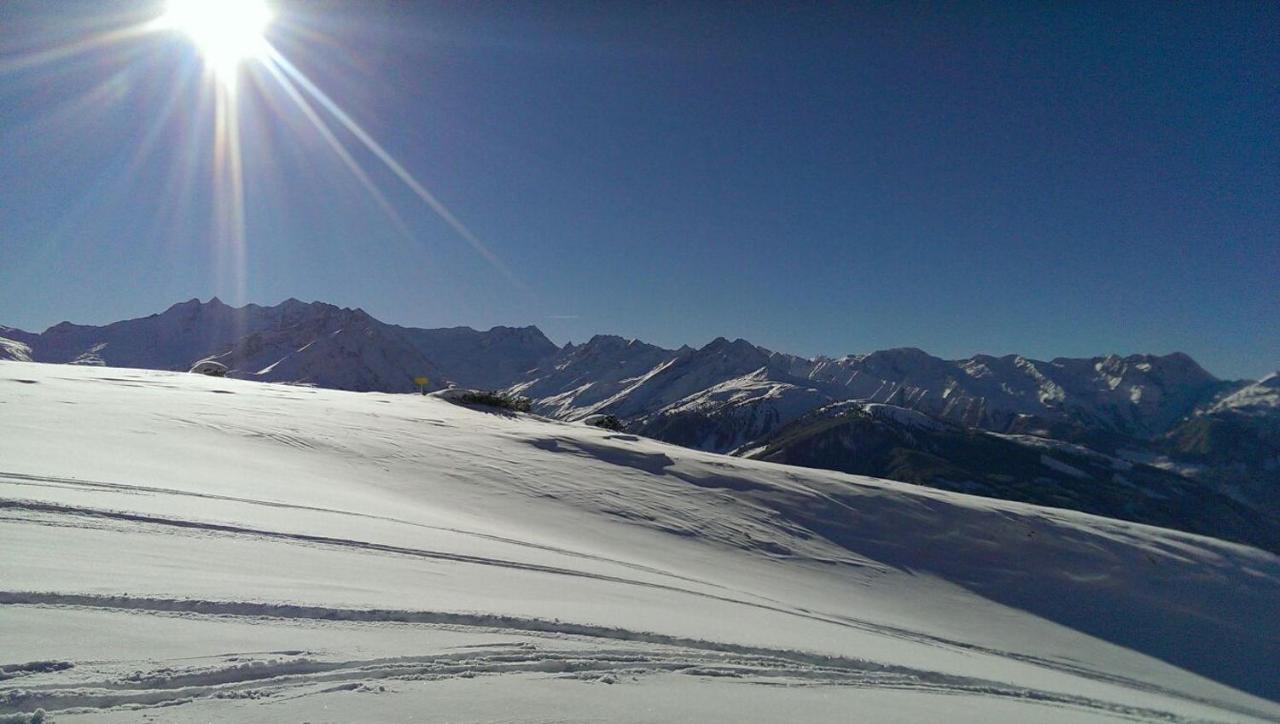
<point x="227" y="32"/>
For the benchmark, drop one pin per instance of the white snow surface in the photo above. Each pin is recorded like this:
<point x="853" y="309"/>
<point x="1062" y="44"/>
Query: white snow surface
<point x="12" y="349"/>
<point x="1139" y="393"/>
<point x="341" y="348"/>
<point x="1258" y="398"/>
<point x="744" y="408"/>
<point x="191" y="548"/>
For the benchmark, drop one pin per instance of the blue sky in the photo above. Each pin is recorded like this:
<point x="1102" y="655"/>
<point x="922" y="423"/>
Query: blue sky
<point x="1045" y="179"/>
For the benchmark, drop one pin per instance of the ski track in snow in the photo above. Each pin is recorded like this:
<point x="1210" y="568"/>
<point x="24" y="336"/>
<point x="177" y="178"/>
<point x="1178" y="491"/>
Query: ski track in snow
<point x="195" y="527"/>
<point x="31" y="506"/>
<point x="670" y="576"/>
<point x="751" y="663"/>
<point x="297" y="672"/>
<point x="38" y="481"/>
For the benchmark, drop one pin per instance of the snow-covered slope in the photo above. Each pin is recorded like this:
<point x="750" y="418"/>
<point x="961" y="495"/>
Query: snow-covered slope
<point x="1138" y="394"/>
<point x="336" y="348"/>
<point x="293" y="341"/>
<point x="870" y="438"/>
<point x="174" y="339"/>
<point x="1234" y="444"/>
<point x="637" y="381"/>
<point x="733" y="395"/>
<point x="1256" y="399"/>
<point x="229" y="550"/>
<point x="584" y="378"/>
<point x="715" y="398"/>
<point x="731" y="414"/>
<point x="12" y="349"/>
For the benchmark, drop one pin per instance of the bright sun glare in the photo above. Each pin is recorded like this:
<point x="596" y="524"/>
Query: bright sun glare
<point x="227" y="32"/>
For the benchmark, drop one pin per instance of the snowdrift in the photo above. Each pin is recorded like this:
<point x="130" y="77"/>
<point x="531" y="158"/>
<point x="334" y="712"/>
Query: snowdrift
<point x="232" y="550"/>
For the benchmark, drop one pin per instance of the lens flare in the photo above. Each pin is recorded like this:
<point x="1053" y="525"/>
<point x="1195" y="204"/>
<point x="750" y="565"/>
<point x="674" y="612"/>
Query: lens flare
<point x="227" y="32"/>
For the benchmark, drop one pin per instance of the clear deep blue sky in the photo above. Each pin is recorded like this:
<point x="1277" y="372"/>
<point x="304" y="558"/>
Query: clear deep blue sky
<point x="1047" y="179"/>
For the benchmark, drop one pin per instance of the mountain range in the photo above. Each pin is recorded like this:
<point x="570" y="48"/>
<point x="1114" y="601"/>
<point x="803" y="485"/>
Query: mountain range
<point x="1149" y="438"/>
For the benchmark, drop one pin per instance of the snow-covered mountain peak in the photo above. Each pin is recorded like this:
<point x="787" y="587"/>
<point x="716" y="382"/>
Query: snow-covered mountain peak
<point x="271" y="553"/>
<point x="608" y="350"/>
<point x="193" y="330"/>
<point x="901" y="363"/>
<point x="732" y="394"/>
<point x="1174" y="368"/>
<point x="1142" y="395"/>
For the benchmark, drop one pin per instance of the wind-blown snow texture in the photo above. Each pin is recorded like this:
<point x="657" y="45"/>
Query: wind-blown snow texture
<point x="1209" y="447"/>
<point x="257" y="552"/>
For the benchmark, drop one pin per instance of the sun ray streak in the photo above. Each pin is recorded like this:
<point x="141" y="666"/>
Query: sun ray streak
<point x="307" y="110"/>
<point x="221" y="78"/>
<point x="229" y="184"/>
<point x="95" y="42"/>
<point x="374" y="147"/>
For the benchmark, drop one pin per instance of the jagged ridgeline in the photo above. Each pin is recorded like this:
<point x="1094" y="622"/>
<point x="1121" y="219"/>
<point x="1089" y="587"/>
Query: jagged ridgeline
<point x="1149" y="438"/>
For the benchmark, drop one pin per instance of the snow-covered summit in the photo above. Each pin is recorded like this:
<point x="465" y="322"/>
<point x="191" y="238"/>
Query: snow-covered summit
<point x="583" y="379"/>
<point x="1142" y="395"/>
<point x="1139" y="394"/>
<point x="730" y="394"/>
<point x="331" y="347"/>
<point x="298" y="341"/>
<point x="229" y="550"/>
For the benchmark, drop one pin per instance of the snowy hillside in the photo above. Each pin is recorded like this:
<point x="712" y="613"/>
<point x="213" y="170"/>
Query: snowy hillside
<point x="731" y="414"/>
<point x="1209" y="437"/>
<point x="880" y="440"/>
<point x="1259" y="398"/>
<point x="585" y="378"/>
<point x="1235" y="443"/>
<point x="312" y="343"/>
<point x="12" y="349"/>
<point x="204" y="549"/>
<point x="1140" y="395"/>
<point x="330" y="347"/>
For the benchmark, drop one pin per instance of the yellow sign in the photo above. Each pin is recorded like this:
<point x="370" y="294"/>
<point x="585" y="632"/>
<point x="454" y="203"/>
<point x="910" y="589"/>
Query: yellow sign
<point x="420" y="381"/>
